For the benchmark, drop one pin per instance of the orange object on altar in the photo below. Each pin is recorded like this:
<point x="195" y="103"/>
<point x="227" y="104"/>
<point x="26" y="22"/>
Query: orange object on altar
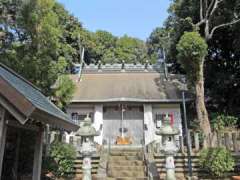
<point x="236" y="177"/>
<point x="123" y="140"/>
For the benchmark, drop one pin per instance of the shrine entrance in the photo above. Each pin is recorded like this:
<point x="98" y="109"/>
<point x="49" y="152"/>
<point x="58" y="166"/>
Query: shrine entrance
<point x="19" y="154"/>
<point x="123" y="124"/>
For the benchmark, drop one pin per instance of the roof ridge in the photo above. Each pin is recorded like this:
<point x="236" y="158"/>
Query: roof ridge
<point x="19" y="76"/>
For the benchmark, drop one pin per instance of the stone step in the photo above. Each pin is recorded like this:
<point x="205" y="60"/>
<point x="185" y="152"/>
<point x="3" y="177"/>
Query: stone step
<point x="127" y="178"/>
<point x="129" y="168"/>
<point x="126" y="163"/>
<point x="112" y="158"/>
<point x="176" y="160"/>
<point x="178" y="177"/>
<point x="125" y="173"/>
<point x="79" y="161"/>
<point x="79" y="166"/>
<point x="180" y="170"/>
<point x="177" y="164"/>
<point x="126" y="153"/>
<point x="178" y="155"/>
<point x="79" y="171"/>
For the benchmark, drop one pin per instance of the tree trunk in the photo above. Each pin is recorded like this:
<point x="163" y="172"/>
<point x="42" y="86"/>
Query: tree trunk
<point x="202" y="113"/>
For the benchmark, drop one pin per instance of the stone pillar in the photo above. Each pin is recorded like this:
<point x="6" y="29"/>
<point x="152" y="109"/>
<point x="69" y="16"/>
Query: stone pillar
<point x="149" y="133"/>
<point x="37" y="163"/>
<point x="3" y="132"/>
<point x="86" y="167"/>
<point x="170" y="168"/>
<point x="98" y="122"/>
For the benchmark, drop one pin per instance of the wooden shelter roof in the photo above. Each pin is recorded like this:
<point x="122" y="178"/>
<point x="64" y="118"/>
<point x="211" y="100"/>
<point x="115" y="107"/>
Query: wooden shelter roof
<point x="28" y="102"/>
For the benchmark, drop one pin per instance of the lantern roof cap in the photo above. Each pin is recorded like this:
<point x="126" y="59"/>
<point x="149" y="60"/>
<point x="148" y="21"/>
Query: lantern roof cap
<point x="87" y="130"/>
<point x="167" y="128"/>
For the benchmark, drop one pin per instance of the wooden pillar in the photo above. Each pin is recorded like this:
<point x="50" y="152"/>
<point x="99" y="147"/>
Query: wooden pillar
<point x="37" y="163"/>
<point x="15" y="167"/>
<point x="3" y="132"/>
<point x="48" y="139"/>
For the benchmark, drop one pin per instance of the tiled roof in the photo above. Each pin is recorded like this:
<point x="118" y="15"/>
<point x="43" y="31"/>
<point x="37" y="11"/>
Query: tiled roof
<point x="32" y="94"/>
<point x="127" y="86"/>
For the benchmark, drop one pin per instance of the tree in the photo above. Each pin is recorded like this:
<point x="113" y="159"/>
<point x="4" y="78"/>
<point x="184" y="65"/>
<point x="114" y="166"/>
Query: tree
<point x="220" y="30"/>
<point x="157" y="40"/>
<point x="192" y="50"/>
<point x="33" y="48"/>
<point x="131" y="50"/>
<point x="105" y="46"/>
<point x="64" y="91"/>
<point x="209" y="14"/>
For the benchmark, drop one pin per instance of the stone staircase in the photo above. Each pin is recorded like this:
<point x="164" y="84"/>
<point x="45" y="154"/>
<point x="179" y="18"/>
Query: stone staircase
<point x="181" y="166"/>
<point x="78" y="166"/>
<point x="126" y="164"/>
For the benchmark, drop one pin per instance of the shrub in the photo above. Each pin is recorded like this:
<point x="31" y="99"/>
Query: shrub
<point x="61" y="160"/>
<point x="220" y="121"/>
<point x="216" y="161"/>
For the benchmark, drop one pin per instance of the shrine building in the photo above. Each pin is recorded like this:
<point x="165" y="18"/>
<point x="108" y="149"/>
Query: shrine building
<point x="126" y="102"/>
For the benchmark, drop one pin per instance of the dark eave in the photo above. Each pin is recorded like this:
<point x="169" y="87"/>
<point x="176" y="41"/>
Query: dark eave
<point x="26" y="102"/>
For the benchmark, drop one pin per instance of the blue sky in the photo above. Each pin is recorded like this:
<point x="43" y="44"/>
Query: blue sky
<point x="135" y="18"/>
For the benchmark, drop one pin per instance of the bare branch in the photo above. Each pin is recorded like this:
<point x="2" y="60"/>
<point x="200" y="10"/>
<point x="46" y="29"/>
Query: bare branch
<point x="221" y="26"/>
<point x="200" y="23"/>
<point x="210" y="7"/>
<point x="201" y="10"/>
<point x="215" y="7"/>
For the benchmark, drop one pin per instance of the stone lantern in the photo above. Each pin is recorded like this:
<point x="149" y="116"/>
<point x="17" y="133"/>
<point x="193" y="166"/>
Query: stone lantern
<point x="87" y="147"/>
<point x="169" y="147"/>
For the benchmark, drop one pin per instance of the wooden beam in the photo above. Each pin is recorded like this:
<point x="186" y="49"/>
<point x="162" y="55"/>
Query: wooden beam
<point x="15" y="124"/>
<point x="3" y="132"/>
<point x="20" y="117"/>
<point x="37" y="164"/>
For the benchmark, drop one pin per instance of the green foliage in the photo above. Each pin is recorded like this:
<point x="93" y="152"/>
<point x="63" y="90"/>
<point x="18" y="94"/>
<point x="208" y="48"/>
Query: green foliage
<point x="40" y="40"/>
<point x="222" y="67"/>
<point x="221" y="121"/>
<point x="217" y="161"/>
<point x="157" y="40"/>
<point x="64" y="91"/>
<point x="105" y="46"/>
<point x="131" y="50"/>
<point x="61" y="159"/>
<point x="33" y="48"/>
<point x="192" y="49"/>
